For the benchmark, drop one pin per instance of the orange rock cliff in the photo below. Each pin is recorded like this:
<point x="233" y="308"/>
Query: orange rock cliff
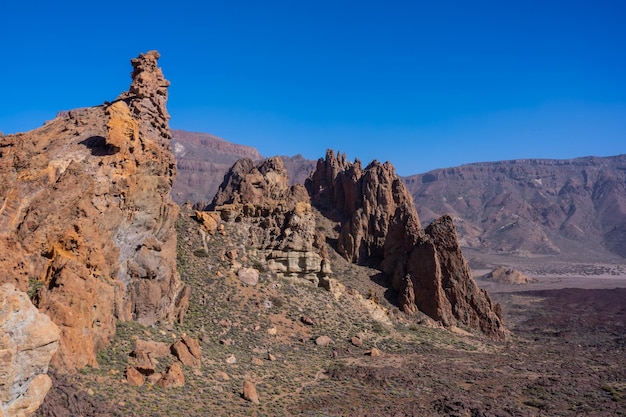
<point x="86" y="218"/>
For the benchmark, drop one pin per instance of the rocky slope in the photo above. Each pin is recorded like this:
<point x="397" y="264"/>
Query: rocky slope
<point x="28" y="339"/>
<point x="567" y="207"/>
<point x="86" y="221"/>
<point x="380" y="227"/>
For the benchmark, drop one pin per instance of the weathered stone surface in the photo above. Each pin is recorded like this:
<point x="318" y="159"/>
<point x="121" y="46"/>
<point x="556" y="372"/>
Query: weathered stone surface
<point x="193" y="345"/>
<point x="143" y="362"/>
<point x="380" y="227"/>
<point x="182" y="353"/>
<point x="283" y="227"/>
<point x="250" y="393"/>
<point x="173" y="377"/>
<point x="151" y="348"/>
<point x="209" y="219"/>
<point x="28" y="339"/>
<point x="323" y="340"/>
<point x="67" y="399"/>
<point x="134" y="377"/>
<point x="85" y="213"/>
<point x="248" y="276"/>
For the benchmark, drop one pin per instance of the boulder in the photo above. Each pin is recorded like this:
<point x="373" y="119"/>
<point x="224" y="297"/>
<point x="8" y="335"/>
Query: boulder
<point x="248" y="276"/>
<point x="249" y="392"/>
<point x="134" y="377"/>
<point x="173" y="377"/>
<point x="182" y="353"/>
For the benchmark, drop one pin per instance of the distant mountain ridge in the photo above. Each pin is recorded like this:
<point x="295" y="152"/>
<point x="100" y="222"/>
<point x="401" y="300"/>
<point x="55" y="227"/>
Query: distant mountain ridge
<point x="202" y="161"/>
<point x="531" y="206"/>
<point x="524" y="207"/>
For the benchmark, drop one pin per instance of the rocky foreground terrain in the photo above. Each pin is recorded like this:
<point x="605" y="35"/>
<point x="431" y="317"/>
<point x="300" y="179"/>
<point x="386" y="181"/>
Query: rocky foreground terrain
<point x="325" y="296"/>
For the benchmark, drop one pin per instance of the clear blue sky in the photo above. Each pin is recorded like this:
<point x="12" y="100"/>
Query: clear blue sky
<point x="423" y="84"/>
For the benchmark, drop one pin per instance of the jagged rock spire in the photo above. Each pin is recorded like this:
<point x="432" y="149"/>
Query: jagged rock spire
<point x="380" y="227"/>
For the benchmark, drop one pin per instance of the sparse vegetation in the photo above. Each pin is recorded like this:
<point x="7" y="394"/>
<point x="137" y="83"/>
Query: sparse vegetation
<point x="422" y="370"/>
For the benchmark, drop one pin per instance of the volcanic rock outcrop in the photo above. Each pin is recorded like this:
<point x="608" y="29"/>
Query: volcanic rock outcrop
<point x="282" y="225"/>
<point x="28" y="339"/>
<point x="86" y="220"/>
<point x="380" y="227"/>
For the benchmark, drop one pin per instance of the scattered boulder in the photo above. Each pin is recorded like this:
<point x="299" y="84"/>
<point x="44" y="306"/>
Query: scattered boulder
<point x="249" y="392"/>
<point x="375" y="352"/>
<point x="210" y="220"/>
<point x="307" y="320"/>
<point x="248" y="276"/>
<point x="134" y="377"/>
<point x="222" y="376"/>
<point x="28" y="339"/>
<point x="173" y="377"/>
<point x="181" y="351"/>
<point x="193" y="345"/>
<point x="142" y="362"/>
<point x="323" y="341"/>
<point x="153" y="349"/>
<point x="356" y="341"/>
<point x="231" y="359"/>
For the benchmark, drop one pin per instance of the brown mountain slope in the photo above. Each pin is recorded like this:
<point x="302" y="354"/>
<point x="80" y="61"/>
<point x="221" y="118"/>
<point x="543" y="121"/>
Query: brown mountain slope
<point x="202" y="161"/>
<point x="567" y="207"/>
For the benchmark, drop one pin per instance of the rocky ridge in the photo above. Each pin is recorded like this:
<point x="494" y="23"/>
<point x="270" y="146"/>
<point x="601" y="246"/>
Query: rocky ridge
<point x="86" y="221"/>
<point x="379" y="226"/>
<point x="532" y="206"/>
<point x="28" y="339"/>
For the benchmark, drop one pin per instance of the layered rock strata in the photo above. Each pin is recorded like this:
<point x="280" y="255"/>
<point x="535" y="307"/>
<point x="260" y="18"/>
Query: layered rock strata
<point x="86" y="220"/>
<point x="282" y="224"/>
<point x="28" y="339"/>
<point x="380" y="227"/>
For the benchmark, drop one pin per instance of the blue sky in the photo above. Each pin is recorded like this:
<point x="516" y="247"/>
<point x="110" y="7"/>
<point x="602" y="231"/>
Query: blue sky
<point x="423" y="84"/>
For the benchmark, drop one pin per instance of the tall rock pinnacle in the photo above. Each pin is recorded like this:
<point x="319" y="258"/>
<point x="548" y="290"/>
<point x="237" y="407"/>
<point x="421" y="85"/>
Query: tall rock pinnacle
<point x="86" y="219"/>
<point x="379" y="226"/>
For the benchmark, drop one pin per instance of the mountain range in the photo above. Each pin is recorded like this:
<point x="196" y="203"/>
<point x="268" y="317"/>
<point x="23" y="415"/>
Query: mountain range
<point x="570" y="209"/>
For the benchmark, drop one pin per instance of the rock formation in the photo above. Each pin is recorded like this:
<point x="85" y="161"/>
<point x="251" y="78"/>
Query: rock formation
<point x="28" y="339"/>
<point x="282" y="225"/>
<point x="508" y="276"/>
<point x="86" y="220"/>
<point x="380" y="227"/>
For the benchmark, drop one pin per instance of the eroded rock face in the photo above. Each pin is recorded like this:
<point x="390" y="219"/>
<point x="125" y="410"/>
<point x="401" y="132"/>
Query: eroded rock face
<point x="283" y="227"/>
<point x="28" y="339"/>
<point x="86" y="216"/>
<point x="380" y="227"/>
